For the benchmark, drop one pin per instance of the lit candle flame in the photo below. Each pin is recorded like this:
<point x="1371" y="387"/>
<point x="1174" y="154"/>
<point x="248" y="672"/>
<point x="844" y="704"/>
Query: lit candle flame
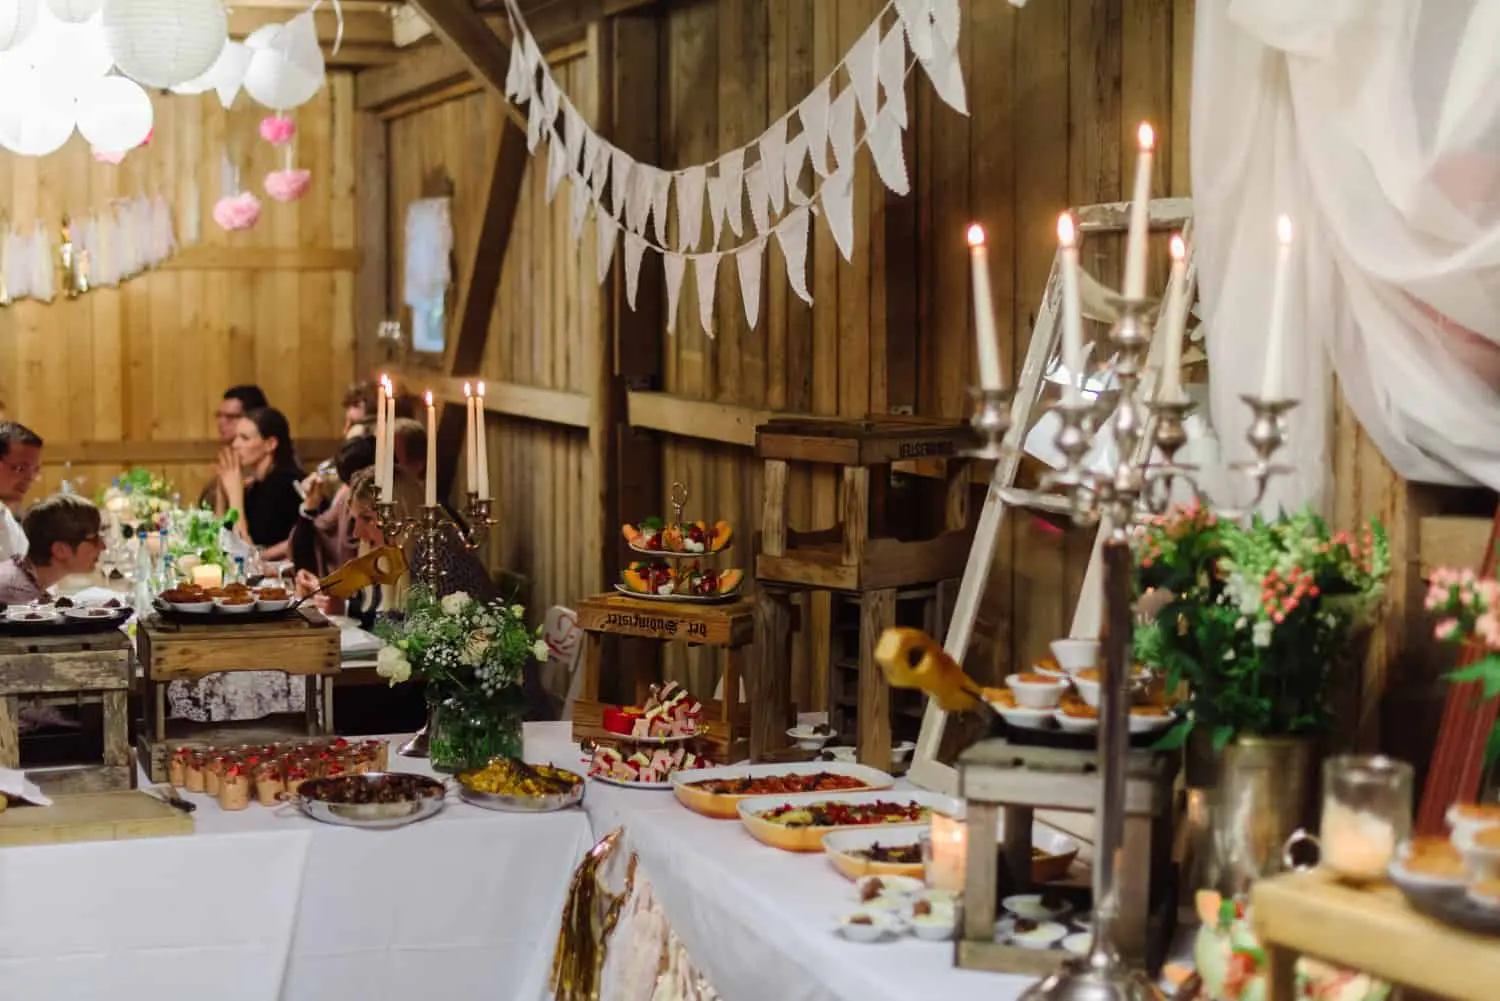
<point x="429" y="397"/>
<point x="1146" y="136"/>
<point x="468" y="390"/>
<point x="1179" y="248"/>
<point x="480" y="390"/>
<point x="1065" y="232"/>
<point x="976" y="235"/>
<point x="1284" y="229"/>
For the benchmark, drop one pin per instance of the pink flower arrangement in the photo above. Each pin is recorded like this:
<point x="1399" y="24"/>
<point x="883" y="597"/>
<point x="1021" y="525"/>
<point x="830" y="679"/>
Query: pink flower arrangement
<point x="114" y="157"/>
<point x="288" y="185"/>
<point x="277" y="130"/>
<point x="1469" y="606"/>
<point x="239" y="211"/>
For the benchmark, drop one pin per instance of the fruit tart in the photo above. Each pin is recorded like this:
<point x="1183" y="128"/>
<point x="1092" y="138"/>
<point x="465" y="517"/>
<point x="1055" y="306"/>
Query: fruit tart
<point x="688" y="538"/>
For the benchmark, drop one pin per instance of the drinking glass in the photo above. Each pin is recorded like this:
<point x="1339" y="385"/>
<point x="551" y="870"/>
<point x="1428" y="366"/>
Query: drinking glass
<point x="1367" y="812"/>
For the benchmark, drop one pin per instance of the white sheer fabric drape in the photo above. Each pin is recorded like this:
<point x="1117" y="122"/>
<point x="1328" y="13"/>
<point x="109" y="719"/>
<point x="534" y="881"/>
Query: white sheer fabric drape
<point x="1375" y="125"/>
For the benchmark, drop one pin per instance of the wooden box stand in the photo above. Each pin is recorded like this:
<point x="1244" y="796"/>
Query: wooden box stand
<point x="92" y="667"/>
<point x="999" y="779"/>
<point x="733" y="729"/>
<point x="858" y="559"/>
<point x="304" y="644"/>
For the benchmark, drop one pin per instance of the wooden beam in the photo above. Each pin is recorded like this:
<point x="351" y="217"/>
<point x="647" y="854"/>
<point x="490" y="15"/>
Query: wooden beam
<point x="720" y="422"/>
<point x="509" y="399"/>
<point x="205" y="257"/>
<point x="150" y="453"/>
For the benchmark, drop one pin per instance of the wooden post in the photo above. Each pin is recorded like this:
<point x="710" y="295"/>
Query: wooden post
<point x="771" y="670"/>
<point x="877" y="613"/>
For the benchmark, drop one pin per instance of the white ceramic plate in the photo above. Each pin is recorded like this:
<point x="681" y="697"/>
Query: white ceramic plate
<point x="607" y="780"/>
<point x="700" y="599"/>
<point x="32" y="615"/>
<point x="669" y="554"/>
<point x="95" y="614"/>
<point x="1150" y="724"/>
<point x="625" y="738"/>
<point x="1075" y="724"/>
<point x="1026" y="719"/>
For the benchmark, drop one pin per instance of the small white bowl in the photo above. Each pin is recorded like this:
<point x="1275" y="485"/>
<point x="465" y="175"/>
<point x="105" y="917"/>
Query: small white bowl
<point x="1083" y="920"/>
<point x="1143" y="723"/>
<point x="1489" y="904"/>
<point x="1482" y="862"/>
<point x="939" y="926"/>
<point x="1048" y="669"/>
<point x="1480" y="815"/>
<point x="1026" y="719"/>
<point x="1078" y="943"/>
<point x="1031" y="907"/>
<point x="1036" y="694"/>
<point x="1088" y="689"/>
<point x="899" y="887"/>
<point x="1075" y="724"/>
<point x="1044" y="936"/>
<point x="262" y="605"/>
<point x="900" y="752"/>
<point x="878" y="926"/>
<point x="241" y="609"/>
<point x="807" y="739"/>
<point x="193" y="607"/>
<point x="843" y="753"/>
<point x="1076" y="655"/>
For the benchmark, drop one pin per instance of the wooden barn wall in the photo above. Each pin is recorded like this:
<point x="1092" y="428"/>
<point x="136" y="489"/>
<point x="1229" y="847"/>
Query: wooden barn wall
<point x="133" y="375"/>
<point x="1056" y="91"/>
<point x="545" y="330"/>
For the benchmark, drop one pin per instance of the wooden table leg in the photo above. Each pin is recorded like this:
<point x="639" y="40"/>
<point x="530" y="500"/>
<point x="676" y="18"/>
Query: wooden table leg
<point x="1281" y="979"/>
<point x="10" y="732"/>
<point x="877" y="612"/>
<point x="326" y="703"/>
<point x="310" y="703"/>
<point x="156" y="696"/>
<point x="770" y="672"/>
<point x="1018" y="847"/>
<point x="979" y="873"/>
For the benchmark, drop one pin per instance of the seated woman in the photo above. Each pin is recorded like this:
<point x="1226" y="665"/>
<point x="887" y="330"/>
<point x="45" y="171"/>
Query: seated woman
<point x="260" y="481"/>
<point x="63" y="538"/>
<point x="462" y="570"/>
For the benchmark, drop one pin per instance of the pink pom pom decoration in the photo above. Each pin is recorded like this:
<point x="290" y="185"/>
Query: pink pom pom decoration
<point x="109" y="156"/>
<point x="276" y="130"/>
<point x="239" y="211"/>
<point x="288" y="185"/>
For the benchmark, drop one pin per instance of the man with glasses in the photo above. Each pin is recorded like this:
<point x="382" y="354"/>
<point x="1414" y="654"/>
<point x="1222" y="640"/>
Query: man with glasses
<point x="20" y="464"/>
<point x="237" y="402"/>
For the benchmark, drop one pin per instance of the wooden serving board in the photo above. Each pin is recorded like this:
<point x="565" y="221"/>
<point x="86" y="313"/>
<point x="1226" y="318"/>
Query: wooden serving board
<point x="92" y="816"/>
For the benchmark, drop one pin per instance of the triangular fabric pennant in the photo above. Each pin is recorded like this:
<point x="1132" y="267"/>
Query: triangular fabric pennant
<point x="796" y="156"/>
<point x="557" y="164"/>
<point x="916" y="15"/>
<point x="606" y="229"/>
<point x="884" y="141"/>
<point x="758" y="191"/>
<point x="893" y="72"/>
<point x="747" y="260"/>
<point x="579" y="198"/>
<point x="791" y="234"/>
<point x="772" y="158"/>
<point x="620" y="166"/>
<point x="533" y="54"/>
<point x="515" y="74"/>
<point x="946" y="16"/>
<point x="635" y="248"/>
<point x="841" y="129"/>
<point x="947" y="78"/>
<point x="535" y="117"/>
<point x="837" y="196"/>
<point x="706" y="271"/>
<point x="863" y="66"/>
<point x="591" y="143"/>
<point x="661" y="198"/>
<point x="673" y="265"/>
<point x="638" y="201"/>
<point x="551" y="96"/>
<point x="597" y="166"/>
<point x="813" y="111"/>
<point x="718" y="204"/>
<point x="690" y="185"/>
<point x="573" y="131"/>
<point x="732" y="170"/>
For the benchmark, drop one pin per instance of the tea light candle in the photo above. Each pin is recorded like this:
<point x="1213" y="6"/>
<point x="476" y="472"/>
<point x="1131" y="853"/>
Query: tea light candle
<point x="1355" y="843"/>
<point x="208" y="575"/>
<point x="950" y="854"/>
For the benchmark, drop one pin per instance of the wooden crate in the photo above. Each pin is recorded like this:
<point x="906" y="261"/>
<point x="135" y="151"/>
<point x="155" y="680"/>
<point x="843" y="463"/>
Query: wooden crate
<point x="734" y="728"/>
<point x="92" y="667"/>
<point x="304" y="644"/>
<point x="92" y="816"/>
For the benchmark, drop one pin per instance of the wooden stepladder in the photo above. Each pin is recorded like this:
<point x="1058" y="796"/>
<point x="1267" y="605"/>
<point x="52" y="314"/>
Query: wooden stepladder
<point x="1026" y="407"/>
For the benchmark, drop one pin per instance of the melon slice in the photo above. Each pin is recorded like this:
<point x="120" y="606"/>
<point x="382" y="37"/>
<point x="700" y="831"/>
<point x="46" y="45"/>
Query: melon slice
<point x="635" y="580"/>
<point x="730" y="580"/>
<point x="632" y="534"/>
<point x="1207" y="903"/>
<point x="719" y="538"/>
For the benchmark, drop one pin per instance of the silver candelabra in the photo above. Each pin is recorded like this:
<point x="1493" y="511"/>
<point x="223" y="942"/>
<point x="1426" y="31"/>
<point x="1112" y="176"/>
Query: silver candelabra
<point x="1134" y="490"/>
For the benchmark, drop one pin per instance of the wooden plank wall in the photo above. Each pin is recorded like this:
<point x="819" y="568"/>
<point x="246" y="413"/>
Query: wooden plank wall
<point x="134" y="374"/>
<point x="546" y="330"/>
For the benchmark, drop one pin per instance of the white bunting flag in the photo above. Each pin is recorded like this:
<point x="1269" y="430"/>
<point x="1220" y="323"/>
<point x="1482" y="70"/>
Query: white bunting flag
<point x="635" y="249"/>
<point x="718" y="204"/>
<point x="533" y="53"/>
<point x="757" y="190"/>
<point x="557" y="164"/>
<point x="791" y="234"/>
<point x="837" y="196"/>
<point x="690" y="184"/>
<point x="863" y="66"/>
<point x="841" y="129"/>
<point x="590" y="153"/>
<point x="732" y="170"/>
<point x="535" y="117"/>
<point x="947" y="78"/>
<point x="599" y="173"/>
<point x="578" y="192"/>
<point x="796" y="156"/>
<point x="917" y="16"/>
<point x="773" y="158"/>
<point x="946" y="16"/>
<point x="638" y="201"/>
<point x="706" y="271"/>
<point x="515" y="74"/>
<point x="551" y="97"/>
<point x="885" y="147"/>
<point x="606" y="229"/>
<point x="813" y="111"/>
<point x="573" y="130"/>
<point x="673" y="265"/>
<point x="747" y="260"/>
<point x="893" y="72"/>
<point x="661" y="198"/>
<point x="620" y="166"/>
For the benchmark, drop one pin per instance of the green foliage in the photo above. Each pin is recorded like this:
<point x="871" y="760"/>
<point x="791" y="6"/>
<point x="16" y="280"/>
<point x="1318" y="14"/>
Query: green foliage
<point x="459" y="646"/>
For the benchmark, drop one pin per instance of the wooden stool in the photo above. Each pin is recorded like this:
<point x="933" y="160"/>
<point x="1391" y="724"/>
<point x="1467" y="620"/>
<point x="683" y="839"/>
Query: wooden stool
<point x="891" y="580"/>
<point x="733" y="728"/>
<point x="88" y="667"/>
<point x="303" y="644"/>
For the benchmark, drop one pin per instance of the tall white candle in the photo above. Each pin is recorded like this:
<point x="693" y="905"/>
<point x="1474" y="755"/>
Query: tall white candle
<point x="984" y="312"/>
<point x="390" y="441"/>
<point x="431" y="500"/>
<point x="1140" y="217"/>
<point x="1176" y="322"/>
<point x="470" y="435"/>
<point x="1271" y="382"/>
<point x="1072" y="346"/>
<point x="380" y="443"/>
<point x="483" y="447"/>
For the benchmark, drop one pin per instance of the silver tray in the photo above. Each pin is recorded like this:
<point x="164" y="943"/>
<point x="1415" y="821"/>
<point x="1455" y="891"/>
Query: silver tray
<point x="522" y="804"/>
<point x="1445" y="902"/>
<point x="370" y="816"/>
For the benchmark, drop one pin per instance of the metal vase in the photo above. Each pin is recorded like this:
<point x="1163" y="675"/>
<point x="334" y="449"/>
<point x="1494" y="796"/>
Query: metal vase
<point x="1264" y="794"/>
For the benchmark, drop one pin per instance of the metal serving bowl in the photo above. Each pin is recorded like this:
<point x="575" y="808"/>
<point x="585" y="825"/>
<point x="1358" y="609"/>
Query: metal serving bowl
<point x="312" y="799"/>
<point x="508" y="803"/>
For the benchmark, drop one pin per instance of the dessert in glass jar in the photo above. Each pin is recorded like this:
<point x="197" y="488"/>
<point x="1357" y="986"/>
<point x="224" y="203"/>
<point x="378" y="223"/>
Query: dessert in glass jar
<point x="234" y="787"/>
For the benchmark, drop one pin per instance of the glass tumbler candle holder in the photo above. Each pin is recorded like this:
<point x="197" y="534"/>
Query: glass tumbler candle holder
<point x="1367" y="813"/>
<point x="945" y="853"/>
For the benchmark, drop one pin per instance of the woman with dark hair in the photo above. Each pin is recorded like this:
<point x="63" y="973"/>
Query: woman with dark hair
<point x="260" y="479"/>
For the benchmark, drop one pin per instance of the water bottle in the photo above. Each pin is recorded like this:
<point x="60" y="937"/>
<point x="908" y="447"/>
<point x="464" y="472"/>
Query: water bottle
<point x="239" y="570"/>
<point x="142" y="577"/>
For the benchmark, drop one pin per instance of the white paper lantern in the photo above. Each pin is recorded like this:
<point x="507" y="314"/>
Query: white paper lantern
<point x="17" y="19"/>
<point x="79" y="57"/>
<point x="114" y="113"/>
<point x="164" y="42"/>
<point x="39" y="47"/>
<point x="286" y="66"/>
<point x="225" y="76"/>
<point x="34" y="120"/>
<point x="74" y="11"/>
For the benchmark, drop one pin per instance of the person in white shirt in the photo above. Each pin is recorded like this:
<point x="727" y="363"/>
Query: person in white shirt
<point x="20" y="465"/>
